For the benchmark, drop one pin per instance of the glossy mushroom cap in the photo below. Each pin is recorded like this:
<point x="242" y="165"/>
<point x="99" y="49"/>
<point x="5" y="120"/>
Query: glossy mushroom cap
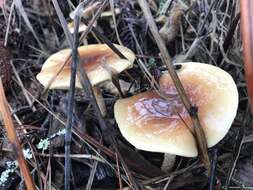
<point x="99" y="61"/>
<point x="151" y="123"/>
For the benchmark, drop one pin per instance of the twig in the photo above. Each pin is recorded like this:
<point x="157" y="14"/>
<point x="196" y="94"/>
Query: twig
<point x="105" y="40"/>
<point x="199" y="34"/>
<point x="9" y="23"/>
<point x="73" y="43"/>
<point x="71" y="95"/>
<point x="79" y="156"/>
<point x="165" y="177"/>
<point x="201" y="28"/>
<point x="198" y="130"/>
<point x="48" y="175"/>
<point x="118" y="172"/>
<point x="238" y="146"/>
<point x="92" y="174"/>
<point x="12" y="136"/>
<point x="114" y="21"/>
<point x="22" y="86"/>
<point x="229" y="37"/>
<point x="125" y="167"/>
<point x="20" y="8"/>
<point x="213" y="169"/>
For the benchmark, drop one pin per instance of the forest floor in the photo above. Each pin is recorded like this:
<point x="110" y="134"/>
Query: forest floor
<point x="205" y="31"/>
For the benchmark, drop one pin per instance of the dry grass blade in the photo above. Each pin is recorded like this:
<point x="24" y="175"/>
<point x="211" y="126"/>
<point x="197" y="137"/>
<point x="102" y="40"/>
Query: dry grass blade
<point x="238" y="147"/>
<point x="19" y="6"/>
<point x="118" y="172"/>
<point x="92" y="175"/>
<point x="73" y="43"/>
<point x="12" y="136"/>
<point x="8" y="24"/>
<point x="29" y="101"/>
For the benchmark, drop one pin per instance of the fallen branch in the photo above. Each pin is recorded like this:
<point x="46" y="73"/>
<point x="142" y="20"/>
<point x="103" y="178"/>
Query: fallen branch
<point x="14" y="141"/>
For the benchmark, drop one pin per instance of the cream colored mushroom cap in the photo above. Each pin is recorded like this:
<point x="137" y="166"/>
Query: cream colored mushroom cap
<point x="99" y="61"/>
<point x="152" y="123"/>
<point x="82" y="27"/>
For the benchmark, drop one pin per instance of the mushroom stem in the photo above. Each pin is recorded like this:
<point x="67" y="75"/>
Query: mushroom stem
<point x="168" y="162"/>
<point x="99" y="99"/>
<point x="115" y="81"/>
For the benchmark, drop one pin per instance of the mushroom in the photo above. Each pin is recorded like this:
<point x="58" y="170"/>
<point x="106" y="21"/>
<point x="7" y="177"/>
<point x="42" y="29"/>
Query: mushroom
<point x="125" y="87"/>
<point x="99" y="61"/>
<point x="88" y="11"/>
<point x="82" y="27"/>
<point x="109" y="13"/>
<point x="152" y="123"/>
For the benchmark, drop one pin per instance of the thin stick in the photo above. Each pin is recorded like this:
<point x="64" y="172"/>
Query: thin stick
<point x="118" y="172"/>
<point x="213" y="169"/>
<point x="71" y="95"/>
<point x="115" y="22"/>
<point x="73" y="43"/>
<point x="198" y="130"/>
<point x="14" y="141"/>
<point x="92" y="175"/>
<point x="19" y="81"/>
<point x="229" y="37"/>
<point x="19" y="6"/>
<point x="238" y="147"/>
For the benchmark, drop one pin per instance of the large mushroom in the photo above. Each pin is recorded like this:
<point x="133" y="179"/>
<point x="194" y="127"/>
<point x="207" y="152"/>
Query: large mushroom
<point x="152" y="123"/>
<point x="98" y="60"/>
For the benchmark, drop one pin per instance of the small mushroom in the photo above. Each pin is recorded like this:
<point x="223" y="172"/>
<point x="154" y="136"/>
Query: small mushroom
<point x="109" y="13"/>
<point x="125" y="87"/>
<point x="88" y="12"/>
<point x="171" y="26"/>
<point x="91" y="9"/>
<point x="82" y="27"/>
<point x="99" y="61"/>
<point x="151" y="123"/>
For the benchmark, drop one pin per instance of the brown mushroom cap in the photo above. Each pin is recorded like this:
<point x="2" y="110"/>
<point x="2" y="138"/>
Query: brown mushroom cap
<point x="151" y="123"/>
<point x="99" y="61"/>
